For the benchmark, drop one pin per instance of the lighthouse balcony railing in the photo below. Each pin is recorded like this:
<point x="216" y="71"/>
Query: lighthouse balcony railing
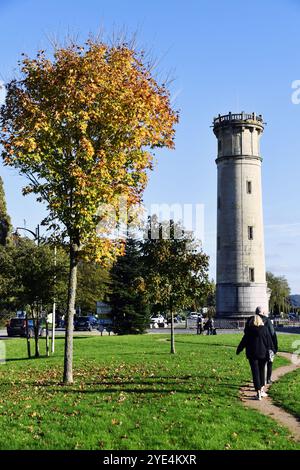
<point x="237" y="117"/>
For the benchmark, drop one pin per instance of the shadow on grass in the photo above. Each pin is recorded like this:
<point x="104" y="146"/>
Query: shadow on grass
<point x="75" y="338"/>
<point x="154" y="385"/>
<point x="195" y="393"/>
<point x="165" y="383"/>
<point x="32" y="358"/>
<point x="221" y="345"/>
<point x="14" y="359"/>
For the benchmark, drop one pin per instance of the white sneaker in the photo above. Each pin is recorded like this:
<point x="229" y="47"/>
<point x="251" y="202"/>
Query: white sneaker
<point x="263" y="394"/>
<point x="258" y="396"/>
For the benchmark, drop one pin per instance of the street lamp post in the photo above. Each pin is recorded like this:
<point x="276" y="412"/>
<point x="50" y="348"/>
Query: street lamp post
<point x="36" y="234"/>
<point x="54" y="306"/>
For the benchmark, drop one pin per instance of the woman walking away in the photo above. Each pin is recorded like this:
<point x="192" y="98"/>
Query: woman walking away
<point x="258" y="342"/>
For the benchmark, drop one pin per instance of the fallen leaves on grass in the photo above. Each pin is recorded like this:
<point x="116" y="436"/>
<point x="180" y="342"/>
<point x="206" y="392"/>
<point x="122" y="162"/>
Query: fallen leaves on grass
<point x="122" y="397"/>
<point x="116" y="422"/>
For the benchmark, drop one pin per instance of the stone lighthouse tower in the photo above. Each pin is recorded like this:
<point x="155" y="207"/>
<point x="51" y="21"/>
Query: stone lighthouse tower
<point x="241" y="276"/>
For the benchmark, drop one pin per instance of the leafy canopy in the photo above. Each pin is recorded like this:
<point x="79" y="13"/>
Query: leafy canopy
<point x="128" y="299"/>
<point x="81" y="126"/>
<point x="279" y="291"/>
<point x="175" y="265"/>
<point x="5" y="225"/>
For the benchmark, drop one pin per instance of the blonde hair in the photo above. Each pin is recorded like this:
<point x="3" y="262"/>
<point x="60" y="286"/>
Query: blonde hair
<point x="257" y="321"/>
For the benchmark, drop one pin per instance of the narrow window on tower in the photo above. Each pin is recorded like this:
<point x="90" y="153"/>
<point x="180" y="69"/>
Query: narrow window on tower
<point x="249" y="187"/>
<point x="219" y="202"/>
<point x="250" y="233"/>
<point x="251" y="275"/>
<point x="219" y="145"/>
<point x="218" y="243"/>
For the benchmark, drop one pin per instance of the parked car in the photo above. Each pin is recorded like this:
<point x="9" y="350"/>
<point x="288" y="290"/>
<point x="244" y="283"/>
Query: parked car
<point x="17" y="327"/>
<point x="158" y="322"/>
<point x="194" y="316"/>
<point x="87" y="323"/>
<point x="177" y="319"/>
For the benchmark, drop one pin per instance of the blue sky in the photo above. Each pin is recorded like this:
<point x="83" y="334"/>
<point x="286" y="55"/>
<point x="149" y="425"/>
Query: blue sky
<point x="224" y="56"/>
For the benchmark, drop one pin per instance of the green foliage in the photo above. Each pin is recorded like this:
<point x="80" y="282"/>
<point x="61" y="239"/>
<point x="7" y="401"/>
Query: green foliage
<point x="128" y="299"/>
<point x="176" y="268"/>
<point x="36" y="271"/>
<point x="8" y="287"/>
<point x="93" y="285"/>
<point x="211" y="297"/>
<point x="5" y="225"/>
<point x="167" y="273"/>
<point x="80" y="126"/>
<point x="27" y="274"/>
<point x="280" y="291"/>
<point x="32" y="275"/>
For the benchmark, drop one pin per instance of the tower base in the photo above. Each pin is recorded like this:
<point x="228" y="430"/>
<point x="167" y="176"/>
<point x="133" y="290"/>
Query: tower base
<point x="238" y="301"/>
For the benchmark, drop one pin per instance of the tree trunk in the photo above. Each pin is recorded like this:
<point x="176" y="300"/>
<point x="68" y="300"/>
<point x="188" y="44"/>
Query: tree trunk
<point x="36" y="333"/>
<point x="28" y="339"/>
<point x="172" y="330"/>
<point x="47" y="339"/>
<point x="68" y="362"/>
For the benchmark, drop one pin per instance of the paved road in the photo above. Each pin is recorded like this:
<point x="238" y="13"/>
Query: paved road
<point x="191" y="331"/>
<point x="178" y="330"/>
<point x="58" y="332"/>
<point x="61" y="332"/>
<point x="295" y="330"/>
<point x="166" y="331"/>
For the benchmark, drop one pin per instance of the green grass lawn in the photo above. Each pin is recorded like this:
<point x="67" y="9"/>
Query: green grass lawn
<point x="286" y="392"/>
<point x="130" y="393"/>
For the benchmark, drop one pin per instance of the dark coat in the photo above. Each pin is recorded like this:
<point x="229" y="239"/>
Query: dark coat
<point x="257" y="341"/>
<point x="270" y="327"/>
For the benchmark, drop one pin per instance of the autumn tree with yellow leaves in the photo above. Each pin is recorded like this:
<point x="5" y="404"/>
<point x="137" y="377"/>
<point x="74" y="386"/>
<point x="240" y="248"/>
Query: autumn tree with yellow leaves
<point x="81" y="127"/>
